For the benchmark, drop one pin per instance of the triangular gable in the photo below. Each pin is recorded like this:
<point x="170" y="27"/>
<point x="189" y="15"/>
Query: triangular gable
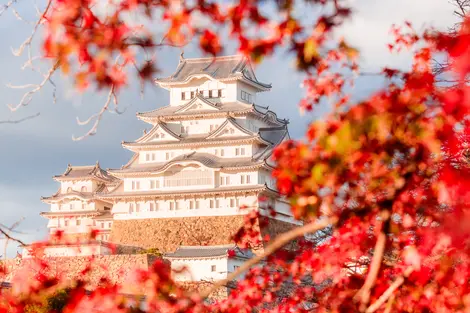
<point x="198" y="103"/>
<point x="248" y="72"/>
<point x="159" y="132"/>
<point x="230" y="128"/>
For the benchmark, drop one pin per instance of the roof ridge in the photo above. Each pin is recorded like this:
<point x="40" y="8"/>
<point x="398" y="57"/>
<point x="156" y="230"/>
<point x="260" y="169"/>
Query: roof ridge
<point x="208" y="246"/>
<point x="223" y="57"/>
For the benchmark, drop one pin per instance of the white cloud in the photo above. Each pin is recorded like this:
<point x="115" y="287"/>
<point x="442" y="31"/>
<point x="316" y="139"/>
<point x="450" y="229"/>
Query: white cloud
<point x="369" y="28"/>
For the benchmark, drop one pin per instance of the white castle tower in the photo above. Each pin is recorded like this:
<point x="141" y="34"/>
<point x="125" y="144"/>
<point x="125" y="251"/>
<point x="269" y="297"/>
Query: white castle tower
<point x="201" y="168"/>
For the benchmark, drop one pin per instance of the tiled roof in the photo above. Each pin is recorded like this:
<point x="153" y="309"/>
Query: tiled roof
<point x="66" y="213"/>
<point x="188" y="140"/>
<point x="273" y="135"/>
<point x="70" y="194"/>
<point x="85" y="172"/>
<point x="5" y="285"/>
<point x="220" y="68"/>
<point x="184" y="252"/>
<point x="170" y="110"/>
<point x="120" y="193"/>
<point x="206" y="159"/>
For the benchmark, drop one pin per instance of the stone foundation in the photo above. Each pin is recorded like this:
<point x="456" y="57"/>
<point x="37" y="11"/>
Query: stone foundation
<point x="166" y="234"/>
<point x="116" y="268"/>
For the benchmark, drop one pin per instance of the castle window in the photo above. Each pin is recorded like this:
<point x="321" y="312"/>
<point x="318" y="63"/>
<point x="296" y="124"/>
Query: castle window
<point x="83" y="206"/>
<point x="242" y="179"/>
<point x="221" y="152"/>
<point x="107" y="208"/>
<point x="137" y="207"/>
<point x="152" y="184"/>
<point x="167" y="155"/>
<point x="78" y="222"/>
<point x="191" y="204"/>
<point x="193" y="94"/>
<point x="102" y="225"/>
<point x="147" y="157"/>
<point x="219" y="93"/>
<point x="131" y="207"/>
<point x="217" y="203"/>
<point x="172" y="206"/>
<point x="232" y="203"/>
<point x="222" y="181"/>
<point x="237" y="151"/>
<point x="242" y="150"/>
<point x="109" y="224"/>
<point x="69" y="189"/>
<point x="246" y="96"/>
<point x="210" y="94"/>
<point x="211" y="204"/>
<point x="84" y="189"/>
<point x="183" y="96"/>
<point x="248" y="179"/>
<point x="197" y="204"/>
<point x="66" y="223"/>
<point x="213" y="268"/>
<point x="227" y="180"/>
<point x="216" y="152"/>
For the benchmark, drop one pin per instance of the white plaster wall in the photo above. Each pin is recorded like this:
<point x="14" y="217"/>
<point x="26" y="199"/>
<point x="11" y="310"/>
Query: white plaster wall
<point x="225" y="207"/>
<point x="77" y="185"/>
<point x="199" y="269"/>
<point x="211" y="178"/>
<point x="247" y="88"/>
<point x="159" y="156"/>
<point x="202" y="84"/>
<point x="84" y="250"/>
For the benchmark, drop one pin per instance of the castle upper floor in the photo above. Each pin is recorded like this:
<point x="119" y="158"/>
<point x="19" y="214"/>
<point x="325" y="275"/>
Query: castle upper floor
<point x="222" y="79"/>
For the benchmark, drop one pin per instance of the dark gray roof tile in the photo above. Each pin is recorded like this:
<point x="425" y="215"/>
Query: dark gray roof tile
<point x="184" y="252"/>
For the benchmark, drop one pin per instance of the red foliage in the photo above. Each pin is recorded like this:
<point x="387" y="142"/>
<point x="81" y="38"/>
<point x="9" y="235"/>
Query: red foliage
<point x="393" y="170"/>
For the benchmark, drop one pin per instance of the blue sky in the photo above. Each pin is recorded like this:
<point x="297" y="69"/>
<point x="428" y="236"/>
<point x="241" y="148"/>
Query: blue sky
<point x="33" y="151"/>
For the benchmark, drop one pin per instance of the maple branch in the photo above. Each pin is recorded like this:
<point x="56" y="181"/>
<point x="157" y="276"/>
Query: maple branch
<point x="364" y="293"/>
<point x="7" y="6"/>
<point x="97" y="116"/>
<point x="20" y="120"/>
<point x="27" y="97"/>
<point x="390" y="290"/>
<point x="278" y="243"/>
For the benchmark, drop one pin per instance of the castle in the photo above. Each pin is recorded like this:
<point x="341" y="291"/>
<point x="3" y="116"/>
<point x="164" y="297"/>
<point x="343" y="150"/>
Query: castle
<point x="203" y="166"/>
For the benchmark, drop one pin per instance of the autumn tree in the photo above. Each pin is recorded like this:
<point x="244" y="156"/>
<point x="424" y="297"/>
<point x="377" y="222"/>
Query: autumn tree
<point x="388" y="175"/>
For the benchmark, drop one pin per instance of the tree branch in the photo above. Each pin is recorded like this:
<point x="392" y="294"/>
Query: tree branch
<point x="97" y="116"/>
<point x="278" y="243"/>
<point x="363" y="295"/>
<point x="20" y="120"/>
<point x="389" y="292"/>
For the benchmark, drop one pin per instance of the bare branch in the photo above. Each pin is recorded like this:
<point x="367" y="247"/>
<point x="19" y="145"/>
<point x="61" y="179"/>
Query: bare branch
<point x="7" y="6"/>
<point x="363" y="295"/>
<point x="96" y="117"/>
<point x="389" y="292"/>
<point x="6" y="234"/>
<point x="20" y="120"/>
<point x="27" y="97"/>
<point x="278" y="243"/>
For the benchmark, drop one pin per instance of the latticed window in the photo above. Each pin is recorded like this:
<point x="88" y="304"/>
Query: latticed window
<point x="188" y="178"/>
